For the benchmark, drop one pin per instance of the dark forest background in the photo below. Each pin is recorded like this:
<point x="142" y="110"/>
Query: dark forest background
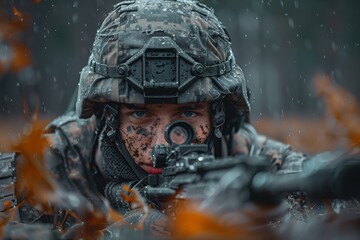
<point x="281" y="45"/>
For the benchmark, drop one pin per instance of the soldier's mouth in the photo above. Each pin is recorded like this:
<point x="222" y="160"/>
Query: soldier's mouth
<point x="152" y="170"/>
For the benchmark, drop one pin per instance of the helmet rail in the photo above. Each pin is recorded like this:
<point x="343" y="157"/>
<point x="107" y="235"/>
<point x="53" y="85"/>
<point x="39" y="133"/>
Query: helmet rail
<point x="161" y="66"/>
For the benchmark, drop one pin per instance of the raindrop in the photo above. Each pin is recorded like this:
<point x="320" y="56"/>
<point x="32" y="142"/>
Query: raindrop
<point x="308" y="44"/>
<point x="35" y="27"/>
<point x="296" y="3"/>
<point x="333" y="46"/>
<point x="74" y="200"/>
<point x="275" y="47"/>
<point x="291" y="23"/>
<point x="75" y="18"/>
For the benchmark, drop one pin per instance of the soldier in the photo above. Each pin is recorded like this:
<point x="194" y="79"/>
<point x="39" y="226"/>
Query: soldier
<point x="153" y="62"/>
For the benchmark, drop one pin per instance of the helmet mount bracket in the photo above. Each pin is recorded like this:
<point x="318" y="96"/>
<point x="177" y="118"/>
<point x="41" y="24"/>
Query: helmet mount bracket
<point x="161" y="70"/>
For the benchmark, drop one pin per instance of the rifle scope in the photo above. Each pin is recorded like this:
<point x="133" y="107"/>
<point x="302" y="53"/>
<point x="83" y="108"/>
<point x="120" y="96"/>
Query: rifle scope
<point x="176" y="133"/>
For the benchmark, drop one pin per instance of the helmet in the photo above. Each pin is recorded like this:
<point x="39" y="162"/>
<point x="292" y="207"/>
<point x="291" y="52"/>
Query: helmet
<point x="156" y="51"/>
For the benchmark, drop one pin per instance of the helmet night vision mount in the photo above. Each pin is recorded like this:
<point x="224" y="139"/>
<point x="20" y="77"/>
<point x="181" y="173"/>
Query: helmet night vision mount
<point x="161" y="70"/>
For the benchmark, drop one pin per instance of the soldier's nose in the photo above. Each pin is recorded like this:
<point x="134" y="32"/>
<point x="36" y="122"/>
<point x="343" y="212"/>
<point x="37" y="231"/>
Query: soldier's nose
<point x="159" y="137"/>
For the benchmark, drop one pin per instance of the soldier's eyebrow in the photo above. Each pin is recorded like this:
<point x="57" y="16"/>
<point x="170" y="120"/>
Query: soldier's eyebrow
<point x="188" y="107"/>
<point x="134" y="106"/>
<point x="196" y="106"/>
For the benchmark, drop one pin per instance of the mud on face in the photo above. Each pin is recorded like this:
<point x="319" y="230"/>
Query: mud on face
<point x="143" y="126"/>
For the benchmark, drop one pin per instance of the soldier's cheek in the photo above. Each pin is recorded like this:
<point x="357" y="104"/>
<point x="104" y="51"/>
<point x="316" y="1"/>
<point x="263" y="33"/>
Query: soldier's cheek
<point x="202" y="132"/>
<point x="139" y="147"/>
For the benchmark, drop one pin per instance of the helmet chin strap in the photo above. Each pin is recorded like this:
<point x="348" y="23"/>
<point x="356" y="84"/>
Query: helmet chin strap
<point x="112" y="131"/>
<point x="214" y="138"/>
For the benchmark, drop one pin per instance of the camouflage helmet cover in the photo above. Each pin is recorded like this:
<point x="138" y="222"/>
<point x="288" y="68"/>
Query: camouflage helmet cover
<point x="134" y="27"/>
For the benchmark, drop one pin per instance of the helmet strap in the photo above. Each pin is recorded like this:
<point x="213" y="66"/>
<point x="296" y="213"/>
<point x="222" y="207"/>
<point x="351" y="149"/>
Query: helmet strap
<point x="112" y="132"/>
<point x="214" y="139"/>
<point x="94" y="168"/>
<point x="217" y="109"/>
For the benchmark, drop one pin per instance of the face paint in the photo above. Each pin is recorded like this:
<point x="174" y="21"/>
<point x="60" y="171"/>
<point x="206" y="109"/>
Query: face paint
<point x="143" y="126"/>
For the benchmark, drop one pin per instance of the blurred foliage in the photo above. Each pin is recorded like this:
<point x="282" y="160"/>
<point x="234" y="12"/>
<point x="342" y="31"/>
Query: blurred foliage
<point x="337" y="129"/>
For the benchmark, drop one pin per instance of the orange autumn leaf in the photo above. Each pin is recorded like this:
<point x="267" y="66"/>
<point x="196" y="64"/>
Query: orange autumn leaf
<point x="34" y="182"/>
<point x="8" y="216"/>
<point x="114" y="216"/>
<point x="16" y="12"/>
<point x="191" y="222"/>
<point x="21" y="57"/>
<point x="95" y="222"/>
<point x="133" y="197"/>
<point x="342" y="106"/>
<point x="12" y="30"/>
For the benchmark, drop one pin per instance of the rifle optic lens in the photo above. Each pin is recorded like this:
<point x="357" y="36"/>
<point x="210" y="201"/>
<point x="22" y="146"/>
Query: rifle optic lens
<point x="178" y="135"/>
<point x="179" y="132"/>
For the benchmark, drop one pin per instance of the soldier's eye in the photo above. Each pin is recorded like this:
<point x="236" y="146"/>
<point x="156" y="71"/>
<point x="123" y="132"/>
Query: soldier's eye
<point x="188" y="114"/>
<point x="138" y="114"/>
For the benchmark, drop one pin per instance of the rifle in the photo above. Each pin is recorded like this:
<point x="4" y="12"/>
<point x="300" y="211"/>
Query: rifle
<point x="191" y="172"/>
<point x="7" y="179"/>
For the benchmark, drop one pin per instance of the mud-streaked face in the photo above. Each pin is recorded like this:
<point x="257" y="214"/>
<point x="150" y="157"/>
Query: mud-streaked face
<point x="143" y="126"/>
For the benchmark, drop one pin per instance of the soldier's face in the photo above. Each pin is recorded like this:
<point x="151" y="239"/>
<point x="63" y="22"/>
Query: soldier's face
<point x="143" y="126"/>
